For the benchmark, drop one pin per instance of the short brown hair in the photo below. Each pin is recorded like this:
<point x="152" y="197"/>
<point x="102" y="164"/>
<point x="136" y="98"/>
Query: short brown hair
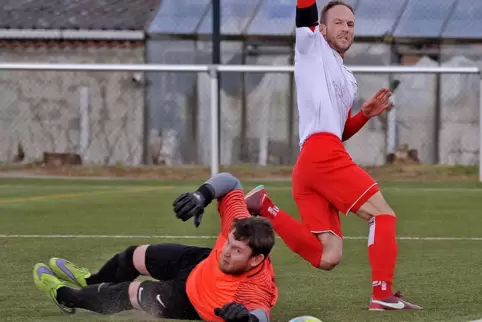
<point x="331" y="4"/>
<point x="257" y="232"/>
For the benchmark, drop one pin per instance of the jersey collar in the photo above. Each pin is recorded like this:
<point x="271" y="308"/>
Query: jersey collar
<point x="339" y="57"/>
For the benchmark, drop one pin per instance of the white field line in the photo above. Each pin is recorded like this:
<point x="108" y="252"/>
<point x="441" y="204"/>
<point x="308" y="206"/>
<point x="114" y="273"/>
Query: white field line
<point x="213" y="237"/>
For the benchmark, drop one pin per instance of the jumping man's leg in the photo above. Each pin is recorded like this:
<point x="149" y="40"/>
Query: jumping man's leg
<point x="357" y="192"/>
<point x="317" y="239"/>
<point x="382" y="244"/>
<point x="321" y="218"/>
<point x="382" y="252"/>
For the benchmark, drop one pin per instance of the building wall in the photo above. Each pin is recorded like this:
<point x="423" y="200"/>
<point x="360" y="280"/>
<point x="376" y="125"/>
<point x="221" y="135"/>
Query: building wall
<point x="41" y="110"/>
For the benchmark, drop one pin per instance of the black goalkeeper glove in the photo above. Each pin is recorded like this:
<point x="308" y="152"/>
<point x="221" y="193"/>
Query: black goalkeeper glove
<point x="192" y="204"/>
<point x="235" y="312"/>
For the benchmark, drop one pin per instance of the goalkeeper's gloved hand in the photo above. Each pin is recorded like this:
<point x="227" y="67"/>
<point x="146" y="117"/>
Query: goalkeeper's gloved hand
<point x="234" y="312"/>
<point x="192" y="204"/>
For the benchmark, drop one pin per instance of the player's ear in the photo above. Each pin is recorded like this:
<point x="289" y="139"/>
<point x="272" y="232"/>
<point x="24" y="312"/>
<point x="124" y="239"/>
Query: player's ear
<point x="256" y="260"/>
<point x="323" y="29"/>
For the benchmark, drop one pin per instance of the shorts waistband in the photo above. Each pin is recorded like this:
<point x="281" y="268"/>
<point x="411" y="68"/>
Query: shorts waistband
<point x="321" y="136"/>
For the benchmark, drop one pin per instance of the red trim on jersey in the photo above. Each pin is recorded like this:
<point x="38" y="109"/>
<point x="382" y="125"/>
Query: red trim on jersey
<point x="312" y="8"/>
<point x="305" y="3"/>
<point x="353" y="124"/>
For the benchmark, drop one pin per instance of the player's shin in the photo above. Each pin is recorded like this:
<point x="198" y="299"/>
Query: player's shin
<point x="382" y="254"/>
<point x="105" y="298"/>
<point x="120" y="268"/>
<point x="295" y="235"/>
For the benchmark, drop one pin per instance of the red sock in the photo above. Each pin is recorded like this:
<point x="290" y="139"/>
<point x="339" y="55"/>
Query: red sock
<point x="382" y="254"/>
<point x="296" y="235"/>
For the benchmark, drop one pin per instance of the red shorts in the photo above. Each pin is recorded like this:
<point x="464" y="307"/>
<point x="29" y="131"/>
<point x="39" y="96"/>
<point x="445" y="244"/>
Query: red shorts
<point x="326" y="181"/>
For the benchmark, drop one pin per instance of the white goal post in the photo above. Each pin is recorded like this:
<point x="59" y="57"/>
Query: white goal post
<point x="213" y="71"/>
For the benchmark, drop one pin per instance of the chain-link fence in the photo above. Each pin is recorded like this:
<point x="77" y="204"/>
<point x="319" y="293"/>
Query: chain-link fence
<point x="71" y="116"/>
<point x="131" y="118"/>
<point x="98" y="118"/>
<point x="95" y="116"/>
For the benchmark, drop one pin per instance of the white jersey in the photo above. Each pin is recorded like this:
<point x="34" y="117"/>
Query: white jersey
<point x="325" y="87"/>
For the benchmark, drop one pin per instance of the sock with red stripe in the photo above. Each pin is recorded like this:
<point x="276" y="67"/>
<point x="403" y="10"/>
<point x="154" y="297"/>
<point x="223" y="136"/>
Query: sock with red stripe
<point x="382" y="254"/>
<point x="296" y="235"/>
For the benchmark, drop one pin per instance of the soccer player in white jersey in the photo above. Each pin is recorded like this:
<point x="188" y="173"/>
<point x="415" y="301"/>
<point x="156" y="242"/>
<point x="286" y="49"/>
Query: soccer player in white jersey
<point x="326" y="181"/>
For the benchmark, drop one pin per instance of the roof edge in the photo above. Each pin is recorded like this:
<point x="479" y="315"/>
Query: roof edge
<point x="71" y="34"/>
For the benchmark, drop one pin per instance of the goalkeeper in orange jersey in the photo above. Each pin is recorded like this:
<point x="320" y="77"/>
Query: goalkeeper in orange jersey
<point x="233" y="281"/>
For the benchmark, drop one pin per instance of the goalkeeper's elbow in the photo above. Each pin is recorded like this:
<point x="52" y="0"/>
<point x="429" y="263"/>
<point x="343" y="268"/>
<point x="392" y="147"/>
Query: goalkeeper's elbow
<point x="223" y="183"/>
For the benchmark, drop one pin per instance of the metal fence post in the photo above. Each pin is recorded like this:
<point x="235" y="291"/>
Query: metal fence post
<point x="480" y="128"/>
<point x="213" y="76"/>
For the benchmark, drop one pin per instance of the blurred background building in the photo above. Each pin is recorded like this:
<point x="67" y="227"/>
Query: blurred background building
<point x="435" y="116"/>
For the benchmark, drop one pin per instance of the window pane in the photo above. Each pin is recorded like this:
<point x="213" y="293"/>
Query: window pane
<point x="375" y="18"/>
<point x="423" y="18"/>
<point x="235" y="15"/>
<point x="275" y="17"/>
<point x="465" y="21"/>
<point x="179" y="16"/>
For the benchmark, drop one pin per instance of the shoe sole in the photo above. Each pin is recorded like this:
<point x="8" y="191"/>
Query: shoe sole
<point x="255" y="190"/>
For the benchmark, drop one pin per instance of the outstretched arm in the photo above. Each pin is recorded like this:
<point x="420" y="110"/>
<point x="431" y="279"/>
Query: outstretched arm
<point x="371" y="108"/>
<point x="224" y="187"/>
<point x="219" y="186"/>
<point x="227" y="189"/>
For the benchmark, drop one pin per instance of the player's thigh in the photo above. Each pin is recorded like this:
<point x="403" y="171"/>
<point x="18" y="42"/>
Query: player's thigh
<point x="375" y="205"/>
<point x="345" y="185"/>
<point x="169" y="261"/>
<point x="166" y="299"/>
<point x="316" y="212"/>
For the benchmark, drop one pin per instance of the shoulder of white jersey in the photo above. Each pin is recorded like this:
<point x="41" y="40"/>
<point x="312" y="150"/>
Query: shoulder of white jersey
<point x="307" y="32"/>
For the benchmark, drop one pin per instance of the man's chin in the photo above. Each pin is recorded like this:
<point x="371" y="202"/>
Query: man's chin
<point x="229" y="271"/>
<point x="343" y="48"/>
<point x="225" y="270"/>
<point x="340" y="48"/>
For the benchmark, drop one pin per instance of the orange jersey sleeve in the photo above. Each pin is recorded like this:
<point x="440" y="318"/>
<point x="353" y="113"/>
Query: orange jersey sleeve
<point x="231" y="206"/>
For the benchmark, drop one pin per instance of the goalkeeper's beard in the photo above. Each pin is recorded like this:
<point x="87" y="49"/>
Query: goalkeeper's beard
<point x="236" y="271"/>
